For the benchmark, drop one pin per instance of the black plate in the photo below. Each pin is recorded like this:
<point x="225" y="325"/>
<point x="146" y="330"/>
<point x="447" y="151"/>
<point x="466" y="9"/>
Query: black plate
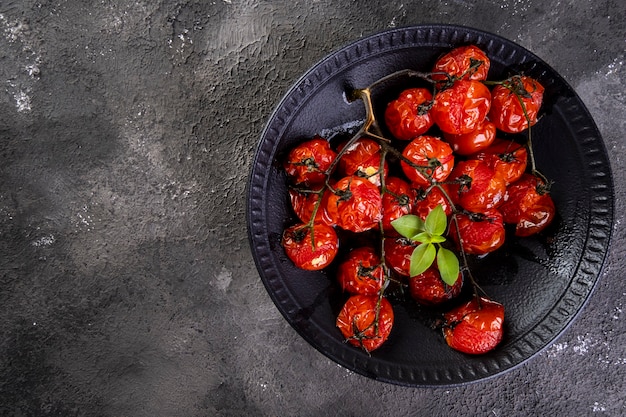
<point x="543" y="282"/>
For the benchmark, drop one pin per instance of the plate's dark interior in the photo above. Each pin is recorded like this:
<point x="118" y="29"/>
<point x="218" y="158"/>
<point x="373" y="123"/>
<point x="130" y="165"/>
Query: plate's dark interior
<point x="543" y="282"/>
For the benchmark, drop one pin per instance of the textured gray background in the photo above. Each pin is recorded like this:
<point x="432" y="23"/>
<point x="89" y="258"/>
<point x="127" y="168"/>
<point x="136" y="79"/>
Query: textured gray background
<point x="127" y="287"/>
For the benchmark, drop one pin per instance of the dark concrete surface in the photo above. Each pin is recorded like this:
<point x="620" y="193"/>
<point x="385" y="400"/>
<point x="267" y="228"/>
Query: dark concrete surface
<point x="127" y="287"/>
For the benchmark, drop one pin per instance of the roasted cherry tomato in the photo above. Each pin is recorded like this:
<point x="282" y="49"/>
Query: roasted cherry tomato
<point x="480" y="233"/>
<point x="357" y="321"/>
<point x="465" y="62"/>
<point x="475" y="327"/>
<point x="398" y="253"/>
<point x="307" y="163"/>
<point x="425" y="202"/>
<point x="397" y="201"/>
<point x="474" y="141"/>
<point x="434" y="158"/>
<point x="303" y="203"/>
<point x="528" y="205"/>
<point x="361" y="272"/>
<point x="306" y="254"/>
<point x="428" y="288"/>
<point x="507" y="158"/>
<point x="408" y="116"/>
<point x="362" y="158"/>
<point x="355" y="204"/>
<point x="507" y="112"/>
<point x="477" y="187"/>
<point x="461" y="108"/>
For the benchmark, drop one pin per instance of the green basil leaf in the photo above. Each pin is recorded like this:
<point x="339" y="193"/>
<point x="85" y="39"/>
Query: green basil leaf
<point x="437" y="239"/>
<point x="436" y="221"/>
<point x="422" y="237"/>
<point x="408" y="225"/>
<point x="422" y="258"/>
<point x="448" y="265"/>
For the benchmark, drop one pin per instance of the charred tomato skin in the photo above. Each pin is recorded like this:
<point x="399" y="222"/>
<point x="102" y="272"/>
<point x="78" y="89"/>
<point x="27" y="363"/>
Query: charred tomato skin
<point x="357" y="321"/>
<point x="431" y="153"/>
<point x="308" y="255"/>
<point x="475" y="327"/>
<point x="408" y="116"/>
<point x="355" y="205"/>
<point x="307" y="163"/>
<point x="361" y="272"/>
<point x="429" y="289"/>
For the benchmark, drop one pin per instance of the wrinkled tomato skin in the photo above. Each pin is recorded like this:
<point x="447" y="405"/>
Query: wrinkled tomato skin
<point x="458" y="61"/>
<point x="306" y="164"/>
<point x="297" y="244"/>
<point x="461" y="108"/>
<point x="485" y="191"/>
<point x="408" y="116"/>
<point x="361" y="272"/>
<point x="506" y="110"/>
<point x="474" y="141"/>
<point x="507" y="158"/>
<point x="303" y="204"/>
<point x="362" y="158"/>
<point x="358" y="315"/>
<point x="398" y="253"/>
<point x="429" y="289"/>
<point x="431" y="152"/>
<point x="397" y="201"/>
<point x="480" y="234"/>
<point x="355" y="205"/>
<point x="425" y="202"/>
<point x="526" y="207"/>
<point x="475" y="327"/>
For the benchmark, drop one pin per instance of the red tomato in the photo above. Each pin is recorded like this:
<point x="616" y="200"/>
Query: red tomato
<point x="397" y="201"/>
<point x="355" y="205"/>
<point x="433" y="155"/>
<point x="361" y="272"/>
<point x="307" y="163"/>
<point x="475" y="327"/>
<point x="479" y="188"/>
<point x="426" y="202"/>
<point x="298" y="246"/>
<point x="474" y="141"/>
<point x="362" y="159"/>
<point x="303" y="204"/>
<point x="465" y="62"/>
<point x="358" y="324"/>
<point x="507" y="158"/>
<point x="528" y="205"/>
<point x="408" y="116"/>
<point x="507" y="112"/>
<point x="462" y="107"/>
<point x="428" y="288"/>
<point x="398" y="253"/>
<point x="480" y="233"/>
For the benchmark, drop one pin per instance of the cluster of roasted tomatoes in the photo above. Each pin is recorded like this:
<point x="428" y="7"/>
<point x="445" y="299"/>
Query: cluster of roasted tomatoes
<point x="452" y="144"/>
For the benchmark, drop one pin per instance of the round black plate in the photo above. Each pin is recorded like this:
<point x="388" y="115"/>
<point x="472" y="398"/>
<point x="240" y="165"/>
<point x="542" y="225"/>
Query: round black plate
<point x="543" y="282"/>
